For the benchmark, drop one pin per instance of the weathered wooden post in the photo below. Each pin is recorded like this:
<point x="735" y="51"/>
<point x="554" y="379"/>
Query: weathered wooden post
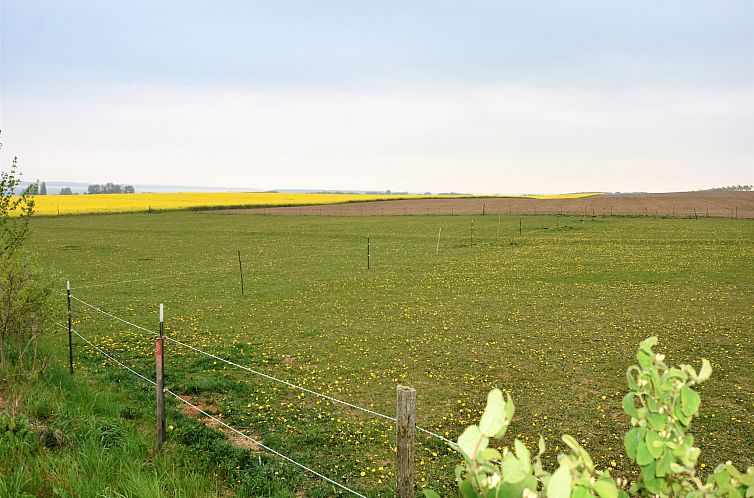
<point x="160" y="384"/>
<point x="437" y="249"/>
<point x="405" y="424"/>
<point x="70" y="327"/>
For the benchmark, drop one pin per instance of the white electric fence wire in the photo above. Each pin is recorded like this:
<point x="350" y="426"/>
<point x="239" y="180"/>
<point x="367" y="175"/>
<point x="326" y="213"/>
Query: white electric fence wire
<point x="99" y="310"/>
<point x="266" y="376"/>
<point x="209" y="270"/>
<point x="233" y="429"/>
<point x="274" y="379"/>
<point x="286" y="458"/>
<point x="111" y="358"/>
<point x="157" y="277"/>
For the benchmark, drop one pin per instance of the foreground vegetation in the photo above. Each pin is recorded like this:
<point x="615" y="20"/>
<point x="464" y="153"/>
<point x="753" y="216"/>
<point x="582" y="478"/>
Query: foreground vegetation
<point x="661" y="403"/>
<point x="77" y="436"/>
<point x="551" y="315"/>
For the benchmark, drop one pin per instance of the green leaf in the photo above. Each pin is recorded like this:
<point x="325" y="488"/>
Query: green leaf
<point x="644" y="359"/>
<point x="522" y="452"/>
<point x="428" y="493"/>
<point x="571" y="442"/>
<point x="489" y="454"/>
<point x="580" y="493"/>
<point x="510" y="490"/>
<point x="679" y="413"/>
<point x="606" y="488"/>
<point x="493" y="418"/>
<point x="631" y="441"/>
<point x="651" y="482"/>
<point x="643" y="456"/>
<point x="657" y="421"/>
<point x="690" y="401"/>
<point x="510" y="410"/>
<point x="560" y="483"/>
<point x="467" y="490"/>
<point x="513" y="470"/>
<point x="705" y="372"/>
<point x="541" y="446"/>
<point x="664" y="466"/>
<point x="647" y="344"/>
<point x="630" y="379"/>
<point x="472" y="441"/>
<point x="655" y="444"/>
<point x="628" y="405"/>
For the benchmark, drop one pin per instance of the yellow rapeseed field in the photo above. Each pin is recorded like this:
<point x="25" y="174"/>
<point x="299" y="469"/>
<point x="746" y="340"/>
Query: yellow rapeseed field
<point x="50" y="205"/>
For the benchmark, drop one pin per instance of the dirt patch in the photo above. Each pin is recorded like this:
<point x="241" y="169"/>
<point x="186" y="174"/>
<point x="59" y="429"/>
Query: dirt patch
<point x="233" y="437"/>
<point x="678" y="205"/>
<point x="289" y="360"/>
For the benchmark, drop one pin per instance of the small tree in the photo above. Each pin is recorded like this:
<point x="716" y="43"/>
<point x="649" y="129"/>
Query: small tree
<point x="66" y="191"/>
<point x="43" y="189"/>
<point x="24" y="300"/>
<point x="15" y="211"/>
<point x="129" y="189"/>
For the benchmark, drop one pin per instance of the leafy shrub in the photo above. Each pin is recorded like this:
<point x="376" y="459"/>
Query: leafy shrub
<point x="661" y="403"/>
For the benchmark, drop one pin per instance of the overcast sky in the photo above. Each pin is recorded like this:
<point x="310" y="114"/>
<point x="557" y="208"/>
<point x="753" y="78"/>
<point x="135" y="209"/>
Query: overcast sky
<point x="473" y="96"/>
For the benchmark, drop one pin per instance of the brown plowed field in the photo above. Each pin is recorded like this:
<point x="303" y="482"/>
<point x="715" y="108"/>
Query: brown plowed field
<point x="682" y="204"/>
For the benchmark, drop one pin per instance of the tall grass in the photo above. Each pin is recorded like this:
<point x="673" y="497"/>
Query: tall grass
<point x="62" y="436"/>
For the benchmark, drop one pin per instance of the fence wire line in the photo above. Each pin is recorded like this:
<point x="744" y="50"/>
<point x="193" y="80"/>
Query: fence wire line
<point x="208" y="270"/>
<point x="274" y="379"/>
<point x="99" y="310"/>
<point x="111" y="358"/>
<point x="306" y="390"/>
<point x="284" y="457"/>
<point x="167" y="275"/>
<point x="150" y="381"/>
<point x="267" y="376"/>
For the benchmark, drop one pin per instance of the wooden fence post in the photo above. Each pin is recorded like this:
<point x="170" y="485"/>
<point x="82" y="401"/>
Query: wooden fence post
<point x="405" y="424"/>
<point x="369" y="254"/>
<point x="160" y="384"/>
<point x="70" y="327"/>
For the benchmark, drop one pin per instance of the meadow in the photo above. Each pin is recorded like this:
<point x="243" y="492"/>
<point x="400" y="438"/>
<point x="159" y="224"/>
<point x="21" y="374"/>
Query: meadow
<point x="553" y="316"/>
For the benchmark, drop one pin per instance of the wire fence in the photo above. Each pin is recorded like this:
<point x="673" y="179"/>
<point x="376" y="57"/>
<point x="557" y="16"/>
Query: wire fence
<point x="262" y="374"/>
<point x="215" y="419"/>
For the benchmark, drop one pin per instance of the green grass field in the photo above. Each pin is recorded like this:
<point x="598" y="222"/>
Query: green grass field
<point x="553" y="316"/>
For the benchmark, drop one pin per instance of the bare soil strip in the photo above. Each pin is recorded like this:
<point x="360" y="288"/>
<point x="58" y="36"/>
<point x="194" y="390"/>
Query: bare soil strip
<point x="679" y="205"/>
<point x="233" y="438"/>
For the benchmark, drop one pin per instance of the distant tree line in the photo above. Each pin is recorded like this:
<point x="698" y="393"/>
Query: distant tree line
<point x="110" y="188"/>
<point x="732" y="188"/>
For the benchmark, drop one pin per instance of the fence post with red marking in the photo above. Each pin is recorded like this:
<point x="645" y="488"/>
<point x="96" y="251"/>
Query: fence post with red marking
<point x="160" y="385"/>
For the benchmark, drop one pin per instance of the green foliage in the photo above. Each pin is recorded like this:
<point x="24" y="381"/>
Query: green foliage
<point x="110" y="188"/>
<point x="16" y="209"/>
<point x="661" y="404"/>
<point x="24" y="302"/>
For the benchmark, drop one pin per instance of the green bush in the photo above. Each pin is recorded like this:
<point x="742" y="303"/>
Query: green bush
<point x="661" y="403"/>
